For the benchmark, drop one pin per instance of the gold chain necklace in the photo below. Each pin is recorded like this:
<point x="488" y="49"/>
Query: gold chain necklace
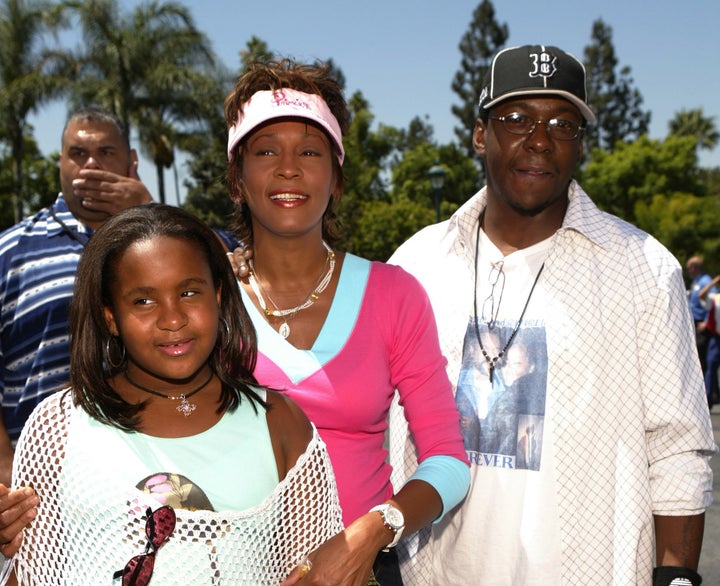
<point x="320" y="286"/>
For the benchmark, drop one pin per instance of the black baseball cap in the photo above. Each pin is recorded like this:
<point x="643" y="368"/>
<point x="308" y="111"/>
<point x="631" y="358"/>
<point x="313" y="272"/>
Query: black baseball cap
<point x="535" y="70"/>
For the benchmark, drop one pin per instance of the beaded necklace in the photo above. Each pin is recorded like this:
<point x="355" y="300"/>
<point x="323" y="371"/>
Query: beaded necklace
<point x="320" y="286"/>
<point x="493" y="360"/>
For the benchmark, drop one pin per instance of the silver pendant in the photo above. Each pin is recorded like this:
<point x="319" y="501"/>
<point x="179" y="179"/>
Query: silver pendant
<point x="185" y="407"/>
<point x="284" y="330"/>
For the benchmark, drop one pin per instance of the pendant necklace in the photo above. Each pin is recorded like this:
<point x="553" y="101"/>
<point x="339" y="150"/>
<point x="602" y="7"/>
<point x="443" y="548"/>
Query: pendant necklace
<point x="185" y="407"/>
<point x="320" y="286"/>
<point x="493" y="360"/>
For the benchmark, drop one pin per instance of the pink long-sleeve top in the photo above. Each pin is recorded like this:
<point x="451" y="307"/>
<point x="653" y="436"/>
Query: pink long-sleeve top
<point x="380" y="335"/>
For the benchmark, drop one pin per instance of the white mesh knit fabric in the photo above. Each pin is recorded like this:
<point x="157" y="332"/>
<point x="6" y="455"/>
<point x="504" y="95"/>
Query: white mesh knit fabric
<point x="87" y="528"/>
<point x="413" y="551"/>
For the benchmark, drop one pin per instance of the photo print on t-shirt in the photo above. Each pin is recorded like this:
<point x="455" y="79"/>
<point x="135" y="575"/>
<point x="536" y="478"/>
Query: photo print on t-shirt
<point x="175" y="490"/>
<point x="502" y="422"/>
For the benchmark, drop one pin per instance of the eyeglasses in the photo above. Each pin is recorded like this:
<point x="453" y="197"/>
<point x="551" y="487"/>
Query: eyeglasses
<point x="558" y="128"/>
<point x="159" y="526"/>
<point x="490" y="309"/>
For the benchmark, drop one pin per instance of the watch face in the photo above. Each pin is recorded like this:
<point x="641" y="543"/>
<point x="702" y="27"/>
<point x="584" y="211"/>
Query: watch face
<point x="394" y="517"/>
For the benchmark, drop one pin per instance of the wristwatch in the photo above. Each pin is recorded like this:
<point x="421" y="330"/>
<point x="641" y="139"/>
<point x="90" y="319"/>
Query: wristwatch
<point x="393" y="519"/>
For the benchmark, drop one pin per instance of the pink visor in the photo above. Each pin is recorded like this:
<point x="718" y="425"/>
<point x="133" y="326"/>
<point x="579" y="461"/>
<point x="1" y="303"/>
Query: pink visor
<point x="267" y="105"/>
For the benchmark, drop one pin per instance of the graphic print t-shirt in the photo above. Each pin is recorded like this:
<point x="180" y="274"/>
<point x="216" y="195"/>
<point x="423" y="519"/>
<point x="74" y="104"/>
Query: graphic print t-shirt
<point x="507" y="426"/>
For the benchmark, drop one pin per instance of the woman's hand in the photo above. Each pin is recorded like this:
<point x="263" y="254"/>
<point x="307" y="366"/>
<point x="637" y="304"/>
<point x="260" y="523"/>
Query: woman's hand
<point x="346" y="559"/>
<point x="17" y="509"/>
<point x="239" y="260"/>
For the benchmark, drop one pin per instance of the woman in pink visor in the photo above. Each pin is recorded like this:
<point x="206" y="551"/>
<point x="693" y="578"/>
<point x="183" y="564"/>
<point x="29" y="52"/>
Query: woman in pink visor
<point x="337" y="333"/>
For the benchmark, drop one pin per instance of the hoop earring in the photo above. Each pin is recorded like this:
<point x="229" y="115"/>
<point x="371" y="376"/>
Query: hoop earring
<point x="224" y="334"/>
<point x="108" y="353"/>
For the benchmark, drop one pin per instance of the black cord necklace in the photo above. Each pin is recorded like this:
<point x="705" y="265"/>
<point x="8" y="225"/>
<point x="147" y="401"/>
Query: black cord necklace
<point x="185" y="407"/>
<point x="69" y="231"/>
<point x="493" y="360"/>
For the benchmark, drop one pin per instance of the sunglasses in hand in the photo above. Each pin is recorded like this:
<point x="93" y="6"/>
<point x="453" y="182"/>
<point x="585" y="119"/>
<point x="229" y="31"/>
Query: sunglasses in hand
<point x="159" y="526"/>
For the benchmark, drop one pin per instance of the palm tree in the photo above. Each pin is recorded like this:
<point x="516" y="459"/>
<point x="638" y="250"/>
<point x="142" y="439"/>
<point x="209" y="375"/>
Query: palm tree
<point x="695" y="123"/>
<point x="196" y="102"/>
<point x="151" y="67"/>
<point x="25" y="82"/>
<point x="256" y="50"/>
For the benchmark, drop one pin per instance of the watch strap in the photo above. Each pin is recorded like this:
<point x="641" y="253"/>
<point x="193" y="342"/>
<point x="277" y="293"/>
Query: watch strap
<point x="675" y="576"/>
<point x="397" y="531"/>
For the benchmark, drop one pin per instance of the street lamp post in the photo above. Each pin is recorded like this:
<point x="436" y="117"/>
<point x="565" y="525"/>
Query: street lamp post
<point x="437" y="180"/>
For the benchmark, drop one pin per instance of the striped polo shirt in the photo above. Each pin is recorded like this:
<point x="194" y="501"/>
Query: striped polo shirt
<point x="38" y="262"/>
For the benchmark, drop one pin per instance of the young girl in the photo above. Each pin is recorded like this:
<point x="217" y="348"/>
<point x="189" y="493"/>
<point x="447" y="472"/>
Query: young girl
<point x="337" y="333"/>
<point x="165" y="462"/>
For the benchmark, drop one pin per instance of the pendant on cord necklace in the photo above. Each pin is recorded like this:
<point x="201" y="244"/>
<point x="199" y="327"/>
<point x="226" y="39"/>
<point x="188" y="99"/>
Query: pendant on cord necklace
<point x="284" y="330"/>
<point x="185" y="407"/>
<point x="493" y="360"/>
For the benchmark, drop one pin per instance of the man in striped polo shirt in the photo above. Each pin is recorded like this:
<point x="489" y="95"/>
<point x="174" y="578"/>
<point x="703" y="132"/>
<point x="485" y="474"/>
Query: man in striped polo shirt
<point x="38" y="260"/>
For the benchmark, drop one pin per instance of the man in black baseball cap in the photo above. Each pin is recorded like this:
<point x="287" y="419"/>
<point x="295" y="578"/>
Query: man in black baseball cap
<point x="608" y="377"/>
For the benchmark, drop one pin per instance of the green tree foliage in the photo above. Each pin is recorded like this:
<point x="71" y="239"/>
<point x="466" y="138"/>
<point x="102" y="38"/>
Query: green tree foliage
<point x="366" y="150"/>
<point x="366" y="153"/>
<point x="419" y="131"/>
<point x="167" y="127"/>
<point x="41" y="181"/>
<point x="616" y="103"/>
<point x="686" y="224"/>
<point x="152" y="67"/>
<point x="634" y="173"/>
<point x="411" y="182"/>
<point x="383" y="226"/>
<point x="256" y="51"/>
<point x="694" y="123"/>
<point x="478" y="45"/>
<point x="207" y="196"/>
<point x="25" y="84"/>
<point x="658" y="186"/>
<point x="710" y="179"/>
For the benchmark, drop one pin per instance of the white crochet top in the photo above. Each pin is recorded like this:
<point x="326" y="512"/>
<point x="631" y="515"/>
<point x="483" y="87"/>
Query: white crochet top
<point x="89" y="526"/>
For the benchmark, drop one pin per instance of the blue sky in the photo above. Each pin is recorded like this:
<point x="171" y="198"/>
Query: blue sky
<point x="403" y="54"/>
